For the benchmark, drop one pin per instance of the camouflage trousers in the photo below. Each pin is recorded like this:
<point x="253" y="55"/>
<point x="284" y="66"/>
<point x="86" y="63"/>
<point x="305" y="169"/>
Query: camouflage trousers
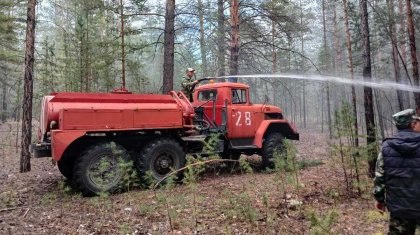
<point x="400" y="226"/>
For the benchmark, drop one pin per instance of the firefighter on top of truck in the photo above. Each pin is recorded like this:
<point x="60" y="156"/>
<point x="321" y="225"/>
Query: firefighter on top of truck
<point x="188" y="83"/>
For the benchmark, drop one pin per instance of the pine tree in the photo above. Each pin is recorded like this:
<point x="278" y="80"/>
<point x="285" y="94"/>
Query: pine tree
<point x="25" y="164"/>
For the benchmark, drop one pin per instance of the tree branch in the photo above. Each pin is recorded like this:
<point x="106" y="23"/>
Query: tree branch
<point x="284" y="49"/>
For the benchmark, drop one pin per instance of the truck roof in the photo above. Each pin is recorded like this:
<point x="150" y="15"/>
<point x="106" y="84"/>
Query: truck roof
<point x="222" y="84"/>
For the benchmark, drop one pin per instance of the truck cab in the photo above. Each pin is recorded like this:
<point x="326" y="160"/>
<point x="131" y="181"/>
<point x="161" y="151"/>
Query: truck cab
<point x="228" y="106"/>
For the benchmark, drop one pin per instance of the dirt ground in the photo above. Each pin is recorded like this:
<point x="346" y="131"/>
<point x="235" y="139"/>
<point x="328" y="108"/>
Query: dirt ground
<point x="40" y="201"/>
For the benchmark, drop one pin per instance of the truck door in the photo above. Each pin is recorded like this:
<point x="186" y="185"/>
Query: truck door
<point x="208" y="100"/>
<point x="241" y="117"/>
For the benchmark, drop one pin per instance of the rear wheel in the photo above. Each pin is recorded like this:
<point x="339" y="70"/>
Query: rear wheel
<point x="273" y="144"/>
<point x="100" y="169"/>
<point x="160" y="157"/>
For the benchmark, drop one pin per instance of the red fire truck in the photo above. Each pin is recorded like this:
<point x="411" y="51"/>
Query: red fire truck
<point x="88" y="134"/>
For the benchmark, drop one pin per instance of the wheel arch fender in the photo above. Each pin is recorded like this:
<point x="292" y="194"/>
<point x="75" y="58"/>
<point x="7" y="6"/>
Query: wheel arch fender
<point x="269" y="126"/>
<point x="62" y="140"/>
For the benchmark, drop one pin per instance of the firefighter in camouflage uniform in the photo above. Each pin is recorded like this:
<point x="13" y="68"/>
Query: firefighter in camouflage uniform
<point x="188" y="83"/>
<point x="397" y="175"/>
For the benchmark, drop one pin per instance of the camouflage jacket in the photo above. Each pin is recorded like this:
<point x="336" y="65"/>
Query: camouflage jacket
<point x="379" y="181"/>
<point x="187" y="86"/>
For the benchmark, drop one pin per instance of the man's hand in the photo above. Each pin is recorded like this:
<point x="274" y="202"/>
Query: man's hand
<point x="380" y="206"/>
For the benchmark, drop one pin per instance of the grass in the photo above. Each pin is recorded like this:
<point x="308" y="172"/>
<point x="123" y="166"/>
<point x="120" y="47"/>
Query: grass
<point x="376" y="216"/>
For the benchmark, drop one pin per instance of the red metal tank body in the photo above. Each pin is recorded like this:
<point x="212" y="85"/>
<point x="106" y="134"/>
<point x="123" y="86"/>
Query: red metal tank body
<point x="74" y="111"/>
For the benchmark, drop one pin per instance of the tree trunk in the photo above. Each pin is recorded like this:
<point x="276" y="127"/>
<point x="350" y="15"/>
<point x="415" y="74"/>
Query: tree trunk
<point x="25" y="164"/>
<point x="4" y="102"/>
<point x="322" y="112"/>
<point x="302" y="66"/>
<point x="402" y="32"/>
<point x="412" y="41"/>
<point x="395" y="61"/>
<point x="87" y="54"/>
<point x="274" y="84"/>
<point x="353" y="90"/>
<point x="220" y="38"/>
<point x="274" y="51"/>
<point x="81" y="53"/>
<point x="336" y="34"/>
<point x="122" y="46"/>
<point x="202" y="38"/>
<point x="368" y="97"/>
<point x="326" y="67"/>
<point x="234" y="43"/>
<point x="169" y="47"/>
<point x="402" y="47"/>
<point x="379" y="111"/>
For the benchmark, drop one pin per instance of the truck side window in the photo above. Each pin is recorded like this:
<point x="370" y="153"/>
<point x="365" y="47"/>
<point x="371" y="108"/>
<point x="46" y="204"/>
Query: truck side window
<point x="239" y="96"/>
<point x="207" y="95"/>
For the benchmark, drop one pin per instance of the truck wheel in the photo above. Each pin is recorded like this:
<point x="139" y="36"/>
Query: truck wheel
<point x="160" y="157"/>
<point x="272" y="144"/>
<point x="99" y="169"/>
<point x="66" y="168"/>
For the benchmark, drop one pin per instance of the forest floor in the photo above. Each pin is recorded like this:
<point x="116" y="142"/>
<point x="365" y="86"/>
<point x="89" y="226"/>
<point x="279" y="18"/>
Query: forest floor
<point x="223" y="202"/>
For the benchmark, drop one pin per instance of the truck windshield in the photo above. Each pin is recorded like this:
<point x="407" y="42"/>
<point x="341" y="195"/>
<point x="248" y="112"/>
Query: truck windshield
<point x="239" y="96"/>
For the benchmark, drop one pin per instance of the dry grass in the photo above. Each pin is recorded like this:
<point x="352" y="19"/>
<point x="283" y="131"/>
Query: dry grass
<point x="40" y="202"/>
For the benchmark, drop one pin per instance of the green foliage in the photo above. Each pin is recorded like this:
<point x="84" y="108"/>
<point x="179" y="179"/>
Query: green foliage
<point x="192" y="173"/>
<point x="240" y="207"/>
<point x="321" y="224"/>
<point x="49" y="198"/>
<point x="11" y="57"/>
<point x="285" y="160"/>
<point x="85" y="39"/>
<point x="146" y="209"/>
<point x="129" y="177"/>
<point x="103" y="202"/>
<point x="346" y="149"/>
<point x="286" y="167"/>
<point x="148" y="180"/>
<point x="245" y="166"/>
<point x="306" y="163"/>
<point x="375" y="216"/>
<point x="9" y="199"/>
<point x="124" y="228"/>
<point x="64" y="187"/>
<point x="210" y="144"/>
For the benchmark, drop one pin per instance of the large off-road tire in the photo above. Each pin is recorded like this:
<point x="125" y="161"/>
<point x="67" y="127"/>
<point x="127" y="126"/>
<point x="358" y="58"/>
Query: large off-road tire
<point x="272" y="144"/>
<point x="100" y="169"/>
<point x="65" y="166"/>
<point x="160" y="157"/>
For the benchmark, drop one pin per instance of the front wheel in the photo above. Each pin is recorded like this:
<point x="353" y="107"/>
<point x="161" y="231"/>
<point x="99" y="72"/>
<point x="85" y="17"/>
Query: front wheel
<point x="273" y="144"/>
<point x="100" y="169"/>
<point x="160" y="157"/>
<point x="65" y="166"/>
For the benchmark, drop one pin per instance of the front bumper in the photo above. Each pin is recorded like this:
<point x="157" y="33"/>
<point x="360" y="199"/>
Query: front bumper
<point x="39" y="150"/>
